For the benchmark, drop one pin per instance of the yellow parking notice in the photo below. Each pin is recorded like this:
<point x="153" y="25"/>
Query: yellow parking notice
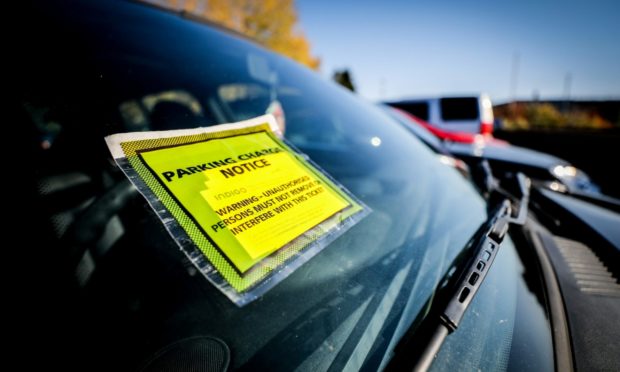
<point x="246" y="192"/>
<point x="240" y="197"/>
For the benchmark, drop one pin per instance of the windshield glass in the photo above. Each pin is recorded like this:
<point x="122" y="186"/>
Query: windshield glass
<point x="99" y="70"/>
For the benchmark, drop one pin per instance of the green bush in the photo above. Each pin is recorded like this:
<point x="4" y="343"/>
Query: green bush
<point x="547" y="116"/>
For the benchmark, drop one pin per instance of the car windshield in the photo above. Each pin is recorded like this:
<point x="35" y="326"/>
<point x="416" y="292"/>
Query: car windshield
<point x="99" y="69"/>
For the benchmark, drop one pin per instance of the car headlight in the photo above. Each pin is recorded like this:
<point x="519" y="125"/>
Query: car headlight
<point x="564" y="171"/>
<point x="573" y="178"/>
<point x="556" y="186"/>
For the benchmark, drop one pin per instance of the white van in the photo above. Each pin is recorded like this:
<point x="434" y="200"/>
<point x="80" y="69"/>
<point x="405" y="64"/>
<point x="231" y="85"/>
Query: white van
<point x="472" y="114"/>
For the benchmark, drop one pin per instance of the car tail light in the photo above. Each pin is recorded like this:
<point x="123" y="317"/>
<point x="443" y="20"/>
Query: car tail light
<point x="486" y="128"/>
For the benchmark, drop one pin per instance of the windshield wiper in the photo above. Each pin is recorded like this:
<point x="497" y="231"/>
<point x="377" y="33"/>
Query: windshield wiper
<point x="484" y="253"/>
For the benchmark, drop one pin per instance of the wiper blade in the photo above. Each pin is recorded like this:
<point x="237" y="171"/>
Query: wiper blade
<point x="484" y="253"/>
<point x="472" y="278"/>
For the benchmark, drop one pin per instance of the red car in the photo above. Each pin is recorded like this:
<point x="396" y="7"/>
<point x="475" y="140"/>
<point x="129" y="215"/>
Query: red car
<point x="462" y="137"/>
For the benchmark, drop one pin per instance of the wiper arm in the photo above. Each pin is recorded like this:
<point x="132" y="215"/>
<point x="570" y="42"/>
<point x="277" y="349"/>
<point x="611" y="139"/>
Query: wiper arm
<point x="482" y="176"/>
<point x="484" y="253"/>
<point x="524" y="190"/>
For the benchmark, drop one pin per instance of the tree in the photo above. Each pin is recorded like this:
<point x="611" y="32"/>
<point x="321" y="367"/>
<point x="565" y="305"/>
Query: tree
<point x="343" y="77"/>
<point x="538" y="115"/>
<point x="272" y="23"/>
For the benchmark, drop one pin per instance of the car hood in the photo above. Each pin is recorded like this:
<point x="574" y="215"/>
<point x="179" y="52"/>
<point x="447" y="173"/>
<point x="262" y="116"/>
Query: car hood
<point x="604" y="221"/>
<point x="506" y="153"/>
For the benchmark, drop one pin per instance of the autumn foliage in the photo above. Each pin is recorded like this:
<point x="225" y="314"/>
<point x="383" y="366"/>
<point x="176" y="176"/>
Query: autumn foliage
<point x="547" y="116"/>
<point x="272" y="23"/>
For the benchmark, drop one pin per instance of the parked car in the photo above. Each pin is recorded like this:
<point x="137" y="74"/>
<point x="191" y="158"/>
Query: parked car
<point x="546" y="170"/>
<point x="465" y="114"/>
<point x="436" y="276"/>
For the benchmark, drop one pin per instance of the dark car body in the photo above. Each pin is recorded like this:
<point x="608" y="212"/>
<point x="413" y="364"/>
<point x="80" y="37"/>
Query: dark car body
<point x="554" y="172"/>
<point x="108" y="288"/>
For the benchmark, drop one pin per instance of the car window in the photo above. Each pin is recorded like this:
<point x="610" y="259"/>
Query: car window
<point x="128" y="68"/>
<point x="455" y="109"/>
<point x="417" y="109"/>
<point x="432" y="141"/>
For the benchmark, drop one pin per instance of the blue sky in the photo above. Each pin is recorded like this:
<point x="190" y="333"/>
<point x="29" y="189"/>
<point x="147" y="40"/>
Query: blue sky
<point x="398" y="48"/>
